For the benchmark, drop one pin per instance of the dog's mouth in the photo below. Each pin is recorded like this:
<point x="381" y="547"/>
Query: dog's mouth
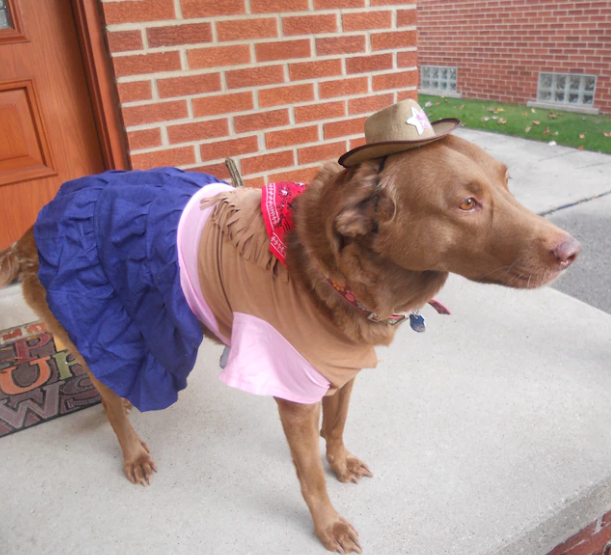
<point x="522" y="279"/>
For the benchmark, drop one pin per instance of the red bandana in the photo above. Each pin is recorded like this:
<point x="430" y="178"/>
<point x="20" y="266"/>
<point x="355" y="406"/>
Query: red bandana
<point x="276" y="206"/>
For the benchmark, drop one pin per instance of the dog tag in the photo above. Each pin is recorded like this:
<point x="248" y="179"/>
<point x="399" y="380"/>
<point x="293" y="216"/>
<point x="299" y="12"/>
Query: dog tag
<point x="416" y="321"/>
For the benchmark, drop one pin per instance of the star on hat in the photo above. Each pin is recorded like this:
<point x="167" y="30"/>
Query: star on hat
<point x="419" y="120"/>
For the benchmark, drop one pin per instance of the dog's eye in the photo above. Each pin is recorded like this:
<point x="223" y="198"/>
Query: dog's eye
<point x="467" y="204"/>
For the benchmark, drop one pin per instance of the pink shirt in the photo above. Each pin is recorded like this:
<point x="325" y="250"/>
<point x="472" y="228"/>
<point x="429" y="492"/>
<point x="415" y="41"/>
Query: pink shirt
<point x="261" y="360"/>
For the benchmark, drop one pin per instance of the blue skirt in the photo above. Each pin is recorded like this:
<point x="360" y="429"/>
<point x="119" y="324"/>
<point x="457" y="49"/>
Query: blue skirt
<point x="109" y="264"/>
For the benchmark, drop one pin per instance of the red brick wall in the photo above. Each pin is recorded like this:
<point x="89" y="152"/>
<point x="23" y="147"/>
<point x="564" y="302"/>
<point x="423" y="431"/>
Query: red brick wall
<point x="594" y="539"/>
<point x="279" y="85"/>
<point x="500" y="46"/>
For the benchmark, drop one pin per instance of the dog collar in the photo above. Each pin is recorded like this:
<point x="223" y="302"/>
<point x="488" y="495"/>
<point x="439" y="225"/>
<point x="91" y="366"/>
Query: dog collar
<point x="416" y="320"/>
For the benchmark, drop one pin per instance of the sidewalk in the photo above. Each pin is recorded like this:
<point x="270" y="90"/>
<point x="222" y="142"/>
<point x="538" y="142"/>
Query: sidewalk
<point x="487" y="435"/>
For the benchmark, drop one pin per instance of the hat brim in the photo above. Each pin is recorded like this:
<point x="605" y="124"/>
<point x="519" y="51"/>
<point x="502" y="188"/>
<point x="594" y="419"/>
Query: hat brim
<point x="372" y="151"/>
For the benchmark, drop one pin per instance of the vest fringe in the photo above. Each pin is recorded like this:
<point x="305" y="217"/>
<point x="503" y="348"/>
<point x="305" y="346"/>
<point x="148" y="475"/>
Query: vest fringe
<point x="238" y="215"/>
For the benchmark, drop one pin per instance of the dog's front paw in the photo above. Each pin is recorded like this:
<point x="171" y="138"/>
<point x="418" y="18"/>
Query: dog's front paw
<point x="339" y="535"/>
<point x="139" y="465"/>
<point x="347" y="467"/>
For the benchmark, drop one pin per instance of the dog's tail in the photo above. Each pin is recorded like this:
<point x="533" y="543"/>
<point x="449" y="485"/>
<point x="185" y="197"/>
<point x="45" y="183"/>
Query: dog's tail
<point x="10" y="267"/>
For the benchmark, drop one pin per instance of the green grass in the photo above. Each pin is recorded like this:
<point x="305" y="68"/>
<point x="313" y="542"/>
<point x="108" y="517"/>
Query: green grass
<point x="565" y="128"/>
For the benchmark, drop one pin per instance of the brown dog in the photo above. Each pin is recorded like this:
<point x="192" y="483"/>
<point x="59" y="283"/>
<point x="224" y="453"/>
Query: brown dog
<point x="393" y="236"/>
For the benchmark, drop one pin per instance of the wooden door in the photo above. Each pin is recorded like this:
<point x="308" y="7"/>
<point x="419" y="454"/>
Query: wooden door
<point x="47" y="129"/>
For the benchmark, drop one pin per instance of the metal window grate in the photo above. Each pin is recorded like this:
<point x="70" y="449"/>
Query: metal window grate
<point x="566" y="89"/>
<point x="438" y="78"/>
<point x="5" y="17"/>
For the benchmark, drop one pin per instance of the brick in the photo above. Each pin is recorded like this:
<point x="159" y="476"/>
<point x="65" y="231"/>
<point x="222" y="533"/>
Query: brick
<point x="231" y="148"/>
<point x="578" y="538"/>
<point x="362" y="21"/>
<point x="321" y="153"/>
<point x="282" y="50"/>
<point x="137" y="90"/>
<point x="261" y="120"/>
<point x="305" y="175"/>
<point x="217" y="170"/>
<point x="222" y="104"/>
<point x="393" y="40"/>
<point x="405" y="18"/>
<point x="123" y="41"/>
<point x="219" y="56"/>
<point x="142" y="10"/>
<point x="254" y="76"/>
<point x="293" y="136"/>
<point x="179" y="34"/>
<point x="246" y="29"/>
<point x="343" y="87"/>
<point x="279" y="6"/>
<point x="309" y="24"/>
<point x="354" y="143"/>
<point x="161" y="158"/>
<point x="207" y="8"/>
<point x="320" y="111"/>
<point x="389" y="2"/>
<point x="152" y="113"/>
<point x="396" y="80"/>
<point x="404" y="95"/>
<point x="254" y="182"/>
<point x="146" y="138"/>
<point x="286" y="95"/>
<point x="198" y="131"/>
<point x="593" y="545"/>
<point x="266" y="162"/>
<point x="407" y="59"/>
<point x="369" y="103"/>
<point x="146" y="63"/>
<point x="332" y="4"/>
<point x="344" y="128"/>
<point x="340" y="45"/>
<point x="366" y="64"/>
<point x="315" y="70"/>
<point x="189" y="85"/>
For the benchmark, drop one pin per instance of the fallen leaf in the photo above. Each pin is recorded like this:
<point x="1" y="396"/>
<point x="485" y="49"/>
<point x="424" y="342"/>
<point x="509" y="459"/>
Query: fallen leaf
<point x="495" y="117"/>
<point x="491" y="109"/>
<point x="533" y="110"/>
<point x="442" y="96"/>
<point x="607" y="134"/>
<point x="437" y="103"/>
<point x="502" y="121"/>
<point x="552" y="143"/>
<point x="499" y="110"/>
<point x="485" y="118"/>
<point x="461" y="107"/>
<point x="552" y="115"/>
<point x="428" y="104"/>
<point x="527" y="130"/>
<point x="536" y="122"/>
<point x="582" y="136"/>
<point x="524" y="113"/>
<point x="548" y="132"/>
<point x="580" y="147"/>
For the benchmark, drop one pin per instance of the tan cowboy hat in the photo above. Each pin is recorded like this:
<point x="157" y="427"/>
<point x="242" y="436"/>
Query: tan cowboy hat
<point x="399" y="127"/>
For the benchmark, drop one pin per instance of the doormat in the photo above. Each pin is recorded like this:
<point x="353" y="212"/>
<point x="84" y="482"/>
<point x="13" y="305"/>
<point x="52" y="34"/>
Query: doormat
<point x="39" y="379"/>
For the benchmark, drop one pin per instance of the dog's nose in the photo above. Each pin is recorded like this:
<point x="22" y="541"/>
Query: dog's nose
<point x="566" y="252"/>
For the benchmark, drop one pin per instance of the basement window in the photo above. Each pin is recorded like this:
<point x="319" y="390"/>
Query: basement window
<point x="567" y="89"/>
<point x="438" y="80"/>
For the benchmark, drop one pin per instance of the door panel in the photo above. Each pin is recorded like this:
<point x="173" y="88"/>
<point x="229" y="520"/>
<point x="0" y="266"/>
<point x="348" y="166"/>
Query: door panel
<point x="47" y="129"/>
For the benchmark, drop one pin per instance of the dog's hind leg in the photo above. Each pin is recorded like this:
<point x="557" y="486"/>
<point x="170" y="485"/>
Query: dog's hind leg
<point x="334" y="413"/>
<point x="137" y="462"/>
<point x="300" y="423"/>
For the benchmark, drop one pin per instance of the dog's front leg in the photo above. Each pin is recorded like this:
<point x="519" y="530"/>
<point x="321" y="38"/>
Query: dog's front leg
<point x="334" y="413"/>
<point x="300" y="423"/>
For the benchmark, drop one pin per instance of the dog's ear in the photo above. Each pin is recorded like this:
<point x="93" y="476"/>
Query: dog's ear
<point x="366" y="202"/>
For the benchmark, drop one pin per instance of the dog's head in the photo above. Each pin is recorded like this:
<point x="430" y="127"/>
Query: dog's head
<point x="445" y="207"/>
